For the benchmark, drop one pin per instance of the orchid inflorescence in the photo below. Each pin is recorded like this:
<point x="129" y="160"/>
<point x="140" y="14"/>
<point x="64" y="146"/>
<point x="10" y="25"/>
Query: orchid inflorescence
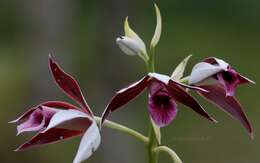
<point x="212" y="78"/>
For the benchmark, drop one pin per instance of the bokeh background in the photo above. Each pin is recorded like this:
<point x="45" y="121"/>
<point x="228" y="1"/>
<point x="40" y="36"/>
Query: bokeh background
<point x="81" y="35"/>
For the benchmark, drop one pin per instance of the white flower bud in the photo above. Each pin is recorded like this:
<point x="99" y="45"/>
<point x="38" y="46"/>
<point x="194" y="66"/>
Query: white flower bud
<point x="129" y="46"/>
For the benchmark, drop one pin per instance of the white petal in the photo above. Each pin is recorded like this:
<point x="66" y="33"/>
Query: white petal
<point x="222" y="63"/>
<point x="158" y="29"/>
<point x="179" y="70"/>
<point x="203" y="70"/>
<point x="129" y="45"/>
<point x="65" y="115"/>
<point x="89" y="143"/>
<point x="163" y="78"/>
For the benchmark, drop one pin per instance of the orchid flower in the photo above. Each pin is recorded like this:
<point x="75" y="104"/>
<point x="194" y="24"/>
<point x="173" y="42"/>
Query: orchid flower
<point x="220" y="80"/>
<point x="55" y="121"/>
<point x="163" y="95"/>
<point x="216" y="70"/>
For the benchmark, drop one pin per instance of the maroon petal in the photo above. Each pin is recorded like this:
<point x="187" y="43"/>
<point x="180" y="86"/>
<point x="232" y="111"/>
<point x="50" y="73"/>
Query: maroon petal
<point x="125" y="95"/>
<point x="68" y="85"/>
<point x="180" y="95"/>
<point x="51" y="136"/>
<point x="172" y="83"/>
<point x="229" y="104"/>
<point x="59" y="104"/>
<point x="52" y="104"/>
<point x="161" y="106"/>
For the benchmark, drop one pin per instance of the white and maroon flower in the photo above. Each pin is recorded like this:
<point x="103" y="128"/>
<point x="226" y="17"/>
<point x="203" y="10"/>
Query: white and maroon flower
<point x="213" y="70"/>
<point x="220" y="80"/>
<point x="163" y="95"/>
<point x="55" y="121"/>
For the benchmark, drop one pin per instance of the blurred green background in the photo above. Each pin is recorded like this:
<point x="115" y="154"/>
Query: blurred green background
<point x="81" y="35"/>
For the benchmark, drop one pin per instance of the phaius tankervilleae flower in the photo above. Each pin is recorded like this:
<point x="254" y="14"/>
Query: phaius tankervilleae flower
<point x="216" y="70"/>
<point x="163" y="95"/>
<point x="57" y="121"/>
<point x="220" y="80"/>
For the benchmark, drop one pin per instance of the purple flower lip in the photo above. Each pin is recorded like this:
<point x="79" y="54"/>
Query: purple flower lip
<point x="56" y="121"/>
<point x="163" y="95"/>
<point x="161" y="106"/>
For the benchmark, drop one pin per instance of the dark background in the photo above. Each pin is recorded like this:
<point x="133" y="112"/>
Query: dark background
<point x="81" y="35"/>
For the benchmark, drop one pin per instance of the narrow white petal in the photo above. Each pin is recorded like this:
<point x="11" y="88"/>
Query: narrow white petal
<point x="163" y="78"/>
<point x="158" y="29"/>
<point x="89" y="143"/>
<point x="179" y="70"/>
<point x="222" y="63"/>
<point x="203" y="70"/>
<point x="65" y="115"/>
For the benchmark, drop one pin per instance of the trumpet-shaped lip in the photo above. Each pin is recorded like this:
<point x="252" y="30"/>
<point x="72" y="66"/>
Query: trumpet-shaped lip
<point x="37" y="120"/>
<point x="174" y="89"/>
<point x="161" y="106"/>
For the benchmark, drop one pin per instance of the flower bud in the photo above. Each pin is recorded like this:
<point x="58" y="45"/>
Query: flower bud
<point x="129" y="46"/>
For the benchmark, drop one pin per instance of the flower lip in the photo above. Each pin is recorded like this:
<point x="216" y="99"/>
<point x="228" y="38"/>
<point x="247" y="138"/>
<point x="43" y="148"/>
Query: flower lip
<point x="36" y="120"/>
<point x="161" y="105"/>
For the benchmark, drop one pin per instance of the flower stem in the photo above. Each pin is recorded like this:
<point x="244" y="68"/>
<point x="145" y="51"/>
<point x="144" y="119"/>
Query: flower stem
<point x="154" y="132"/>
<point x="153" y="143"/>
<point x="124" y="129"/>
<point x="166" y="149"/>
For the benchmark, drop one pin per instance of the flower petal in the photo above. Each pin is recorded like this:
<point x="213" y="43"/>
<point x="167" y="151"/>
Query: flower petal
<point x="68" y="85"/>
<point x="89" y="143"/>
<point x="160" y="77"/>
<point x="179" y="70"/>
<point x="216" y="61"/>
<point x="70" y="119"/>
<point x="129" y="46"/>
<point x="161" y="106"/>
<point x="125" y="95"/>
<point x="230" y="105"/>
<point x="172" y="82"/>
<point x="52" y="136"/>
<point x="180" y="95"/>
<point x="158" y="29"/>
<point x="202" y="71"/>
<point x="130" y="33"/>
